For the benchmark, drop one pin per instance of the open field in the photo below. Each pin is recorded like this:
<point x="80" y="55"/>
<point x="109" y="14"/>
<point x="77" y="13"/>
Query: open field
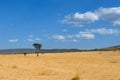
<point x="61" y="66"/>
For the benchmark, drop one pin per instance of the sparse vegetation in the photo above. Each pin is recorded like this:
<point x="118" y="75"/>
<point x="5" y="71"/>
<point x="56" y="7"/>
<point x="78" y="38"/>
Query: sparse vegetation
<point x="113" y="62"/>
<point x="37" y="47"/>
<point x="25" y="53"/>
<point x="14" y="67"/>
<point x="76" y="78"/>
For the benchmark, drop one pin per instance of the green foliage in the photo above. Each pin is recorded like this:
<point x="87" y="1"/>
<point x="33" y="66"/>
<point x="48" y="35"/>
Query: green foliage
<point x="37" y="47"/>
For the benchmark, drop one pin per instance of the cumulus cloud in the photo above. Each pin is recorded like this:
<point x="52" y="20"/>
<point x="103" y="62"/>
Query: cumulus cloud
<point x="104" y="31"/>
<point x="37" y="39"/>
<point x="106" y="14"/>
<point x="31" y="38"/>
<point x="86" y="34"/>
<point x="73" y="38"/>
<point x="78" y="19"/>
<point x="13" y="40"/>
<point x="58" y="37"/>
<point x="64" y="30"/>
<point x="81" y="35"/>
<point x="110" y="14"/>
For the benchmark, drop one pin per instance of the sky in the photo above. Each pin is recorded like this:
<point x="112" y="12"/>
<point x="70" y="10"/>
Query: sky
<point x="79" y="24"/>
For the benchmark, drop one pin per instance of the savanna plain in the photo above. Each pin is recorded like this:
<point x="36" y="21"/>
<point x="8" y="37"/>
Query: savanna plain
<point x="61" y="66"/>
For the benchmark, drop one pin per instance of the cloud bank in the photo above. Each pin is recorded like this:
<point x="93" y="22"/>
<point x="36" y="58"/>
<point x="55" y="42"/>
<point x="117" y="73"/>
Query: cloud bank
<point x="111" y="15"/>
<point x="13" y="40"/>
<point x="86" y="34"/>
<point x="31" y="38"/>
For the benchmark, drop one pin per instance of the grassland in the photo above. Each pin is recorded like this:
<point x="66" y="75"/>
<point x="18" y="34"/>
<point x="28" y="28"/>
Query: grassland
<point x="61" y="66"/>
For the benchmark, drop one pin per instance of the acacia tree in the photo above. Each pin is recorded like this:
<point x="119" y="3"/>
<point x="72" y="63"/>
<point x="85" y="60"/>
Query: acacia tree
<point x="37" y="47"/>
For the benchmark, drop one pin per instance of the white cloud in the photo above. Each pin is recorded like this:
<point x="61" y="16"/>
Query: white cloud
<point x="81" y="34"/>
<point x="104" y="31"/>
<point x="110" y="14"/>
<point x="86" y="35"/>
<point x="106" y="14"/>
<point x="74" y="40"/>
<point x="78" y="19"/>
<point x="116" y="22"/>
<point x="70" y="36"/>
<point x="58" y="37"/>
<point x="64" y="30"/>
<point x="13" y="40"/>
<point x="31" y="38"/>
<point x="37" y="39"/>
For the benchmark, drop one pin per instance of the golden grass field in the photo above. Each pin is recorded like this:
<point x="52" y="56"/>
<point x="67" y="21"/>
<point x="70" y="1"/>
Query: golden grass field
<point x="61" y="66"/>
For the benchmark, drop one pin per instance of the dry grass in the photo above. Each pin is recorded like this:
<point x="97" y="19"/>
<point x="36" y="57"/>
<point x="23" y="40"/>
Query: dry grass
<point x="61" y="66"/>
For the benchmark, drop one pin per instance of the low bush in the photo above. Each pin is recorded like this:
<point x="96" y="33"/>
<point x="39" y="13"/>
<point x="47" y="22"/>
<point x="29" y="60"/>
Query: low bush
<point x="76" y="78"/>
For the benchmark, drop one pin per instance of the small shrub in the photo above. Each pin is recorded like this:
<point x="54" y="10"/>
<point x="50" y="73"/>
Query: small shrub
<point x="25" y="54"/>
<point x="113" y="62"/>
<point x="14" y="67"/>
<point x="75" y="78"/>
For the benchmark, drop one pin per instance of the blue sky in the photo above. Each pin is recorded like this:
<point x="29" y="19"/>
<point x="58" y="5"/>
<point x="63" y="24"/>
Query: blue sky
<point x="82" y="24"/>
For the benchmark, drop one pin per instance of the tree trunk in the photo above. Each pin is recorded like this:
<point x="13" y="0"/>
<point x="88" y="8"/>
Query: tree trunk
<point x="37" y="54"/>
